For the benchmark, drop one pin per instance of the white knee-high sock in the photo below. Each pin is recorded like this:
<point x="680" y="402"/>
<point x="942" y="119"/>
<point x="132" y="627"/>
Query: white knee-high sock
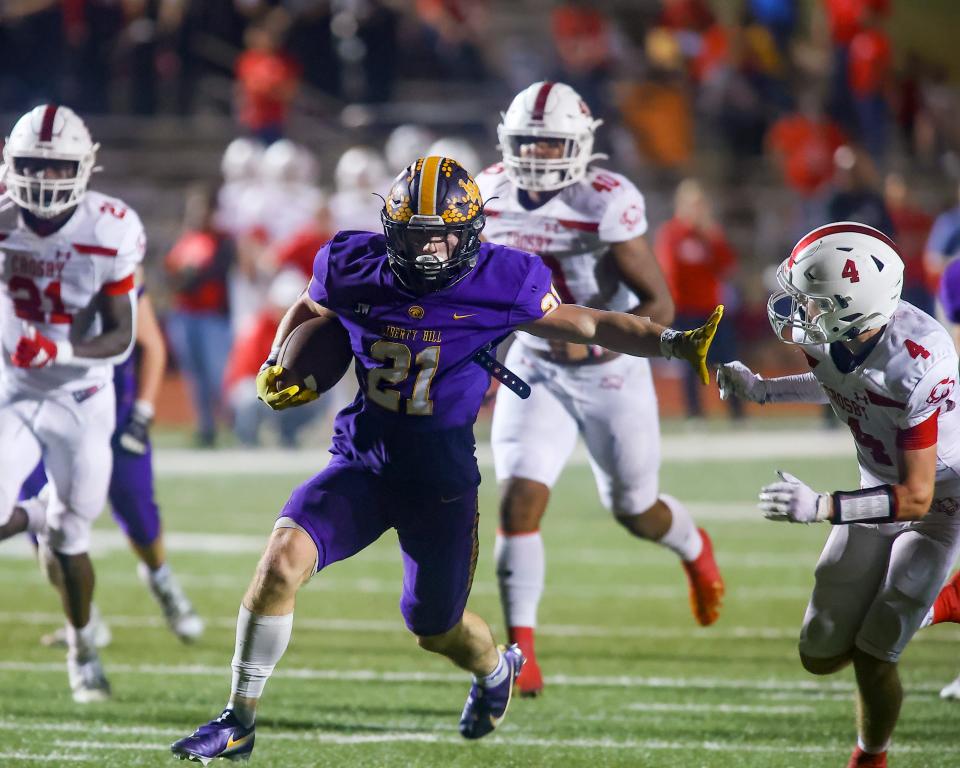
<point x="261" y="642"/>
<point x="521" y="569"/>
<point x="683" y="536"/>
<point x="81" y="641"/>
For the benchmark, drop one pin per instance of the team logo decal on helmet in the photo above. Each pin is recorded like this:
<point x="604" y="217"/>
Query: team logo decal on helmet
<point x="430" y="200"/>
<point x="47" y="160"/>
<point x="840" y="280"/>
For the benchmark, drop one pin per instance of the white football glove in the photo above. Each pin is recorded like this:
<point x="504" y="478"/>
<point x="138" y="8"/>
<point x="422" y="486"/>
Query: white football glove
<point x="794" y="501"/>
<point x="736" y="380"/>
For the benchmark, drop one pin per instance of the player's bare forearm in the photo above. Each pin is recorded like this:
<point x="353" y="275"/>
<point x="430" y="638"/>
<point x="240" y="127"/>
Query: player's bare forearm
<point x="303" y="309"/>
<point x="660" y="309"/>
<point x="617" y="331"/>
<point x="153" y="352"/>
<point x="914" y="492"/>
<point x="117" y="316"/>
<point x="640" y="271"/>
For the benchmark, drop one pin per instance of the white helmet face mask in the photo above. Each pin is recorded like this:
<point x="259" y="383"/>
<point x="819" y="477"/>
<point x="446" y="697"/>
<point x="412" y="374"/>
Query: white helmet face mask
<point x="547" y="115"/>
<point x="44" y="138"/>
<point x="840" y="280"/>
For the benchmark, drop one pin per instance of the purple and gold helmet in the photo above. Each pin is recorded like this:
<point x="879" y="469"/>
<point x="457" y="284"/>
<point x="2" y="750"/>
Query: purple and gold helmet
<point x="430" y="200"/>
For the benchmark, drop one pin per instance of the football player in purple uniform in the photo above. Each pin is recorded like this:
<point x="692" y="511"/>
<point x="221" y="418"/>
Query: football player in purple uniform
<point x="136" y="382"/>
<point x="420" y="303"/>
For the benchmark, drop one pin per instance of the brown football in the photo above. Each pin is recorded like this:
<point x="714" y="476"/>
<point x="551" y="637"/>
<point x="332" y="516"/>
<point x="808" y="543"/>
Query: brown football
<point x="317" y="353"/>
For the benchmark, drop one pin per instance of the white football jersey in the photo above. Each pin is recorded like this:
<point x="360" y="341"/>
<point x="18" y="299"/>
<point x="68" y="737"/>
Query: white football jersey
<point x="571" y="232"/>
<point x="47" y="281"/>
<point x="901" y="396"/>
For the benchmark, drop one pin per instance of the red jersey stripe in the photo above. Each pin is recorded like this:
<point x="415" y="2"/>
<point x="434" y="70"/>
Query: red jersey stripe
<point x="922" y="435"/>
<point x="586" y="226"/>
<point x="876" y="399"/>
<point x="94" y="250"/>
<point x="120" y="287"/>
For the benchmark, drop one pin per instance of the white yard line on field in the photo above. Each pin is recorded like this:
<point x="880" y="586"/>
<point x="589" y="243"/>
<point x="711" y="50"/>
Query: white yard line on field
<point x="370" y="586"/>
<point x="504" y="739"/>
<point x="396" y="627"/>
<point x="722" y="446"/>
<point x="723" y="709"/>
<point x="380" y="676"/>
<point x="110" y="540"/>
<point x="51" y="758"/>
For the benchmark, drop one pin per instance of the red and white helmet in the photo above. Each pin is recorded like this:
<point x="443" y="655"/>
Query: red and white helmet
<point x="405" y="144"/>
<point x="840" y="280"/>
<point x="361" y="169"/>
<point x="285" y="162"/>
<point x="241" y="159"/>
<point x="546" y="111"/>
<point x="50" y="132"/>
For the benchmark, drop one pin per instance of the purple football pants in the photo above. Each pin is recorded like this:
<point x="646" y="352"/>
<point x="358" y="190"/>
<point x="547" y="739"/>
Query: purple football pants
<point x="131" y="494"/>
<point x="346" y="508"/>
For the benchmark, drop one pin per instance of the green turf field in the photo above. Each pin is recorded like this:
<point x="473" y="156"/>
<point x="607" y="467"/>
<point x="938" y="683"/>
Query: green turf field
<point x="630" y="680"/>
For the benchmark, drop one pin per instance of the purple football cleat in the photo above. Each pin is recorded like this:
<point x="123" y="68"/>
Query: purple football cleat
<point x="486" y="707"/>
<point x="224" y="737"/>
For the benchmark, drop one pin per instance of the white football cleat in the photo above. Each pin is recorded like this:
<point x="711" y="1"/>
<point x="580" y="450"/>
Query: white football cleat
<point x="952" y="691"/>
<point x="87" y="679"/>
<point x="177" y="609"/>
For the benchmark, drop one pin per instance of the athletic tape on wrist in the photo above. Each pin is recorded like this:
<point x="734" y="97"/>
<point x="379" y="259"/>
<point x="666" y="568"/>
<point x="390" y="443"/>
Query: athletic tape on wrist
<point x="668" y="341"/>
<point x="871" y="505"/>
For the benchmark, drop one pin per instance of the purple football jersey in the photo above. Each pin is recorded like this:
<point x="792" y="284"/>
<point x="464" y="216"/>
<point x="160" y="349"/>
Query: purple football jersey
<point x="419" y="389"/>
<point x="950" y="291"/>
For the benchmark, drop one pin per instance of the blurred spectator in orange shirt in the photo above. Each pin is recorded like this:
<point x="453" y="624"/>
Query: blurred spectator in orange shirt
<point x="251" y="348"/>
<point x="581" y="36"/>
<point x="844" y="20"/>
<point x="912" y="226"/>
<point x="686" y="15"/>
<point x="742" y="86"/>
<point x="198" y="324"/>
<point x="267" y="80"/>
<point x="802" y="145"/>
<point x="657" y="110"/>
<point x="869" y="75"/>
<point x="697" y="261"/>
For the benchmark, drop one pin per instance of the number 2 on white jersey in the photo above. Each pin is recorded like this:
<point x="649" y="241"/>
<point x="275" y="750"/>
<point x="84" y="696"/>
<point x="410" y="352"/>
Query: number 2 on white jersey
<point x="29" y="303"/>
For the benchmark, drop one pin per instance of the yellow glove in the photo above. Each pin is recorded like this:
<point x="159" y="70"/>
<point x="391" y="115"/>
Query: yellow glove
<point x="290" y="397"/>
<point x="693" y="346"/>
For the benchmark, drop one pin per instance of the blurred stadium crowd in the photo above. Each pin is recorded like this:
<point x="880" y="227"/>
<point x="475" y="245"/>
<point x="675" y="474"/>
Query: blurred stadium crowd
<point x="246" y="132"/>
